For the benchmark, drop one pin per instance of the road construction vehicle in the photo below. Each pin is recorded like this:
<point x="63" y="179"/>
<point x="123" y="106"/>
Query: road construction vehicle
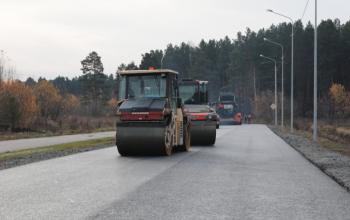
<point x="194" y="94"/>
<point x="228" y="110"/>
<point x="150" y="116"/>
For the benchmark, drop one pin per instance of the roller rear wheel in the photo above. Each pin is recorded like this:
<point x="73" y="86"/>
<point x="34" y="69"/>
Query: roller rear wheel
<point x="168" y="142"/>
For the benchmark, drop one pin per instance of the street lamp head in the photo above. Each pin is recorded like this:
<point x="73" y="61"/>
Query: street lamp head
<point x="269" y="10"/>
<point x="261" y="55"/>
<point x="265" y="39"/>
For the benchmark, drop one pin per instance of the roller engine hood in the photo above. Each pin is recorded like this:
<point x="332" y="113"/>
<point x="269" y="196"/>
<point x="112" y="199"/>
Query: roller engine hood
<point x="143" y="105"/>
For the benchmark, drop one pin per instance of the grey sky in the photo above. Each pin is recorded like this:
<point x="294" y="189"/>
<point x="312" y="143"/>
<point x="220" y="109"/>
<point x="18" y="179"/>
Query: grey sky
<point x="50" y="37"/>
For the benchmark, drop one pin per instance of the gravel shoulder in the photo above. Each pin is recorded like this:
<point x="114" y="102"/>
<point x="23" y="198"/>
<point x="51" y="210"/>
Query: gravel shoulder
<point x="334" y="164"/>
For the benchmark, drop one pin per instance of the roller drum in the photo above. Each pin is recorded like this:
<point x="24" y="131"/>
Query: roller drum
<point x="141" y="139"/>
<point x="203" y="133"/>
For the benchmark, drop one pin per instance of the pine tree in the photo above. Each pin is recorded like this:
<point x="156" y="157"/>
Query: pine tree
<point x="93" y="82"/>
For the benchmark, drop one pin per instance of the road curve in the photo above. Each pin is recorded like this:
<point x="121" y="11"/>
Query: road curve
<point x="21" y="144"/>
<point x="250" y="174"/>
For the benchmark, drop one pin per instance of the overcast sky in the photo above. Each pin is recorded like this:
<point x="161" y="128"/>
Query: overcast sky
<point x="50" y="37"/>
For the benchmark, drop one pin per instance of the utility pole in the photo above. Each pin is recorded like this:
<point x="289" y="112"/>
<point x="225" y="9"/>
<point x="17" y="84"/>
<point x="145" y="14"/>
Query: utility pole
<point x="315" y="77"/>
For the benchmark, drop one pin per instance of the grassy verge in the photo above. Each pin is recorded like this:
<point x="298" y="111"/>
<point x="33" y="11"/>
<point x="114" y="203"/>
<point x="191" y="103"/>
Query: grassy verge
<point x="15" y="158"/>
<point x="4" y="136"/>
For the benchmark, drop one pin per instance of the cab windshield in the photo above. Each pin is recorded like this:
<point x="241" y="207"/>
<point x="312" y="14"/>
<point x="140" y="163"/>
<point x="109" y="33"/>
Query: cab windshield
<point x="227" y="98"/>
<point x="189" y="94"/>
<point x="147" y="86"/>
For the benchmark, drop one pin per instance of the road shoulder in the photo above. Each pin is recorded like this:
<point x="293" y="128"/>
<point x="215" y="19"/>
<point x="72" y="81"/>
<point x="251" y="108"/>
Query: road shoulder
<point x="334" y="164"/>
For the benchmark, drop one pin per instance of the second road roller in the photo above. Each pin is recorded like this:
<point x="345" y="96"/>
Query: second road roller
<point x="150" y="115"/>
<point x="194" y="94"/>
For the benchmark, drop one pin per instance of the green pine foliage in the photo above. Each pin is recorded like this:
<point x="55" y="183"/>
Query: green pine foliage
<point x="230" y="64"/>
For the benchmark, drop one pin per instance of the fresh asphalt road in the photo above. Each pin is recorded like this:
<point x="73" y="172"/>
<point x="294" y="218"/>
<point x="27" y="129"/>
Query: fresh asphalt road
<point x="20" y="144"/>
<point x="249" y="174"/>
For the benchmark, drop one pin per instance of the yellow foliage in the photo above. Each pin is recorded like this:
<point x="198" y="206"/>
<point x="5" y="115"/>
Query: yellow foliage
<point x="26" y="107"/>
<point x="48" y="99"/>
<point x="338" y="94"/>
<point x="70" y="104"/>
<point x="112" y="103"/>
<point x="340" y="99"/>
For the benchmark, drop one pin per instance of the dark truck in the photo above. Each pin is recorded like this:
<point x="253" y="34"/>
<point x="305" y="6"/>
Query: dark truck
<point x="194" y="94"/>
<point x="227" y="108"/>
<point x="150" y="116"/>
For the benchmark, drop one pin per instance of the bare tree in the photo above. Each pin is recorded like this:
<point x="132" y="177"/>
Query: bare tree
<point x="10" y="71"/>
<point x="2" y="66"/>
<point x="7" y="67"/>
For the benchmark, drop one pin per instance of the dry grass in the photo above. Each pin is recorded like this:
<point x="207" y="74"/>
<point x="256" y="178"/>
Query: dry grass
<point x="65" y="126"/>
<point x="343" y="132"/>
<point x="329" y="140"/>
<point x="335" y="146"/>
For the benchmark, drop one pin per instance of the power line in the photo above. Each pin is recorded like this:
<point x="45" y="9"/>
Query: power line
<point x="306" y="6"/>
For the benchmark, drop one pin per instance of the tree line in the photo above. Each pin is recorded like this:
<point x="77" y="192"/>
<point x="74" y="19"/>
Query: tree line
<point x="235" y="65"/>
<point x="228" y="64"/>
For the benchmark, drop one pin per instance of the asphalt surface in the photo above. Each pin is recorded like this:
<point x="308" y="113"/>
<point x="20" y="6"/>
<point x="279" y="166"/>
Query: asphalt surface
<point x="13" y="145"/>
<point x="249" y="174"/>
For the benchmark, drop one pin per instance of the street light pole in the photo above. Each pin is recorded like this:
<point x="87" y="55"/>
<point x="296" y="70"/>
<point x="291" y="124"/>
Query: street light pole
<point x="275" y="62"/>
<point x="315" y="77"/>
<point x="276" y="110"/>
<point x="161" y="61"/>
<point x="292" y="84"/>
<point x="292" y="71"/>
<point x="282" y="98"/>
